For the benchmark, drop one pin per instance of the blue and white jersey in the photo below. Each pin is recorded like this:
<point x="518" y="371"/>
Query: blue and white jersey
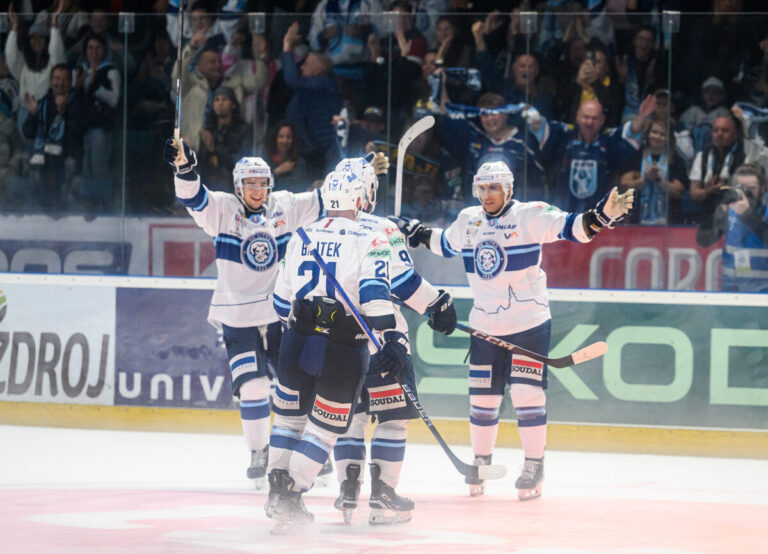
<point x="502" y="257"/>
<point x="359" y="259"/>
<point x="406" y="284"/>
<point x="745" y="256"/>
<point x="247" y="249"/>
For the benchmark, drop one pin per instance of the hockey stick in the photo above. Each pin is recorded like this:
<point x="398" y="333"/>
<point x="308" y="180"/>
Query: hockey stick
<point x="594" y="350"/>
<point x="476" y="472"/>
<point x="413" y="131"/>
<point x="177" y="117"/>
<point x="589" y="352"/>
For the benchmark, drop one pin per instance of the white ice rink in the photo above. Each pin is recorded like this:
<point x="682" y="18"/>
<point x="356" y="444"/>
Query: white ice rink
<point x="64" y="490"/>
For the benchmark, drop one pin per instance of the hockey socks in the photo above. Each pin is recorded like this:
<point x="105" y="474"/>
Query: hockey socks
<point x="388" y="449"/>
<point x="483" y="422"/>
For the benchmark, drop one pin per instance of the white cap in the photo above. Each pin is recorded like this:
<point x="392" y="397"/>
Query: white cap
<point x="712" y="82"/>
<point x="343" y="190"/>
<point x="494" y="172"/>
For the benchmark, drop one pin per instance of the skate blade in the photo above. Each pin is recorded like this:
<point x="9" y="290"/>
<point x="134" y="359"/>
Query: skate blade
<point x="348" y="515"/>
<point x="388" y="517"/>
<point x="477" y="490"/>
<point x="259" y="482"/>
<point x="529" y="494"/>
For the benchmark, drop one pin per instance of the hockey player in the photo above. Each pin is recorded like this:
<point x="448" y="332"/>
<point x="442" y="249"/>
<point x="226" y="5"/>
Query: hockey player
<point x="500" y="243"/>
<point x="251" y="229"/>
<point x="382" y="396"/>
<point x="324" y="354"/>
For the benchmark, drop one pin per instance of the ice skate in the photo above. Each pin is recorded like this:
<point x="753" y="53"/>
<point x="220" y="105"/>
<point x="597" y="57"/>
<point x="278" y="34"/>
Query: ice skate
<point x="477" y="486"/>
<point x="350" y="491"/>
<point x="258" y="469"/>
<point x="290" y="512"/>
<point x="322" y="478"/>
<point x="387" y="507"/>
<point x="277" y="482"/>
<point x="529" y="483"/>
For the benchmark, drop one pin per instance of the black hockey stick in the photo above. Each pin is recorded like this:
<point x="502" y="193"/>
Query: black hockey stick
<point x="589" y="352"/>
<point x="477" y="472"/>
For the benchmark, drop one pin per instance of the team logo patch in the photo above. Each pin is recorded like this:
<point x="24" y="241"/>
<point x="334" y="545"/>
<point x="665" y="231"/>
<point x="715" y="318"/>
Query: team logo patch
<point x="490" y="259"/>
<point x="259" y="251"/>
<point x="526" y="368"/>
<point x="331" y="413"/>
<point x="285" y="398"/>
<point x="387" y="397"/>
<point x="479" y="376"/>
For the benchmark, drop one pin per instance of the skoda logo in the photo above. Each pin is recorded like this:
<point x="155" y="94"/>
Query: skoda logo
<point x="489" y="259"/>
<point x="259" y="251"/>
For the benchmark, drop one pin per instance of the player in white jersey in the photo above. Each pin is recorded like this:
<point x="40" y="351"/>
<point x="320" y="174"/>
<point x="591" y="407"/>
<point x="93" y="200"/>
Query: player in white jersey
<point x="251" y="229"/>
<point x="324" y="354"/>
<point x="383" y="397"/>
<point x="500" y="243"/>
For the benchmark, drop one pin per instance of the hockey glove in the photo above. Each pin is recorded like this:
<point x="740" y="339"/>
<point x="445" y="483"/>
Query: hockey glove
<point x="415" y="233"/>
<point x="171" y="152"/>
<point x="610" y="210"/>
<point x="442" y="314"/>
<point x="393" y="356"/>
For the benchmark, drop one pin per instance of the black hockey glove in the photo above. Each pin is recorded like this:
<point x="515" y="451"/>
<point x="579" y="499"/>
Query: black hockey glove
<point x="415" y="232"/>
<point x="612" y="208"/>
<point x="442" y="314"/>
<point x="393" y="356"/>
<point x="170" y="152"/>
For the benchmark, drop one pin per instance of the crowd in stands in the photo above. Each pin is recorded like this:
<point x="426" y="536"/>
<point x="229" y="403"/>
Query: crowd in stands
<point x="583" y="97"/>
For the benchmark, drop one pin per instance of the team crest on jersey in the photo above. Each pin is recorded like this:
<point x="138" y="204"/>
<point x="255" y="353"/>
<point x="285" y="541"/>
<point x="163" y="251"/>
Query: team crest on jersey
<point x="259" y="251"/>
<point x="489" y="259"/>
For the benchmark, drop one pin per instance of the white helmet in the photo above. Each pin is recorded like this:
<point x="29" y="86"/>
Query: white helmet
<point x="344" y="190"/>
<point x="494" y="172"/>
<point x="363" y="168"/>
<point x="250" y="167"/>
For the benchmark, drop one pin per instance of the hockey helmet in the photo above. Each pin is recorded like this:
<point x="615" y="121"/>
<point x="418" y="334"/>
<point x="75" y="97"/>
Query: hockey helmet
<point x="363" y="168"/>
<point x="344" y="190"/>
<point x="251" y="167"/>
<point x="494" y="172"/>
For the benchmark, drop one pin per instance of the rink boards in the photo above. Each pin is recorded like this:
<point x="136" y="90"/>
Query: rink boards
<point x="685" y="372"/>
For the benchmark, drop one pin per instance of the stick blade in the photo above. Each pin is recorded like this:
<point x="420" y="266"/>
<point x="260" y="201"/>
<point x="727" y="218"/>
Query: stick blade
<point x="417" y="128"/>
<point x="491" y="472"/>
<point x="590" y="352"/>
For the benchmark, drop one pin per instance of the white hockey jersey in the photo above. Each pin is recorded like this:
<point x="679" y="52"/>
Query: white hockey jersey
<point x="406" y="284"/>
<point x="359" y="258"/>
<point x="502" y="256"/>
<point x="247" y="249"/>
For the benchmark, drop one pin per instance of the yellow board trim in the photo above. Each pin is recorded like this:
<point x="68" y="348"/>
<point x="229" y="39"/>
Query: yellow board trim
<point x="560" y="436"/>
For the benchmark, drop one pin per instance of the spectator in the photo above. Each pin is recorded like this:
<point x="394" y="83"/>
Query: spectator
<point x="495" y="139"/>
<point x="314" y="102"/>
<point x="661" y="179"/>
<point x="201" y="29"/>
<point x="407" y="41"/>
<point x="713" y="166"/>
<point x="594" y="81"/>
<point x="742" y="217"/>
<point x="56" y="125"/>
<point x="283" y="156"/>
<point x="224" y="139"/>
<point x="100" y="83"/>
<point x="30" y="63"/>
<point x="699" y="119"/>
<point x="9" y="105"/>
<point x="588" y="158"/>
<point x="513" y="73"/>
<point x="197" y="87"/>
<point x="370" y="127"/>
<point x="339" y="30"/>
<point x="451" y="51"/>
<point x="641" y="71"/>
<point x="666" y="111"/>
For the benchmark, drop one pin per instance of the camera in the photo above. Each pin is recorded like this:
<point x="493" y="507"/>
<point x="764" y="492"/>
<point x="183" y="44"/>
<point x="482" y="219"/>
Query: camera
<point x="590" y="55"/>
<point x="731" y="194"/>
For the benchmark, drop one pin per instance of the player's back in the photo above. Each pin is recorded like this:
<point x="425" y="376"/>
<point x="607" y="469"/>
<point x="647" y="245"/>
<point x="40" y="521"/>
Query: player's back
<point x="358" y="258"/>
